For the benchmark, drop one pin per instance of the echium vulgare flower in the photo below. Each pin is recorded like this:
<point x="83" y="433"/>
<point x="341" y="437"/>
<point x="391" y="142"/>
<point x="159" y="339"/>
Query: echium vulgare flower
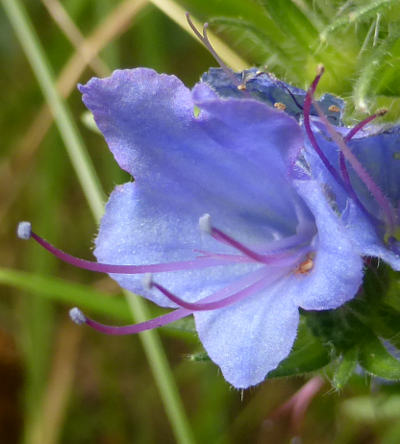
<point x="268" y="243"/>
<point x="360" y="169"/>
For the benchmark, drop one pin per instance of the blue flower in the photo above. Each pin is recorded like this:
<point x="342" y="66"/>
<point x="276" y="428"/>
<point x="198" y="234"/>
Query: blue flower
<point x="360" y="169"/>
<point x="267" y="245"/>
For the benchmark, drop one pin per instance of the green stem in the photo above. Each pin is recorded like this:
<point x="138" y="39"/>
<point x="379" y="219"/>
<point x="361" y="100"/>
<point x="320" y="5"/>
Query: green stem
<point x="95" y="197"/>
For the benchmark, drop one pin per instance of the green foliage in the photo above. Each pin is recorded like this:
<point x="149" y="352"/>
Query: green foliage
<point x="344" y="369"/>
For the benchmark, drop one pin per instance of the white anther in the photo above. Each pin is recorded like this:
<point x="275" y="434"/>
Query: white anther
<point x="205" y="223"/>
<point x="77" y="316"/>
<point x="24" y="230"/>
<point x="147" y="281"/>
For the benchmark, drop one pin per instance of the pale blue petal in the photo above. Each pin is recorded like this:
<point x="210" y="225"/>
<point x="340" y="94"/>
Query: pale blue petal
<point x="338" y="268"/>
<point x="363" y="233"/>
<point x="250" y="338"/>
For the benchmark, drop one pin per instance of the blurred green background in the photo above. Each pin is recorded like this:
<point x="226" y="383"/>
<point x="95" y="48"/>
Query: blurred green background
<point x="62" y="383"/>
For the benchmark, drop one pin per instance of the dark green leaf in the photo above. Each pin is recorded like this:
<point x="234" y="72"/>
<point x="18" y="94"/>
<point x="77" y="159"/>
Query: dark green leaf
<point x="345" y="369"/>
<point x="375" y="359"/>
<point x="308" y="355"/>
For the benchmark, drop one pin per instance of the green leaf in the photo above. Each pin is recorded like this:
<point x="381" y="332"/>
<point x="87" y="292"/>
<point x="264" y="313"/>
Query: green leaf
<point x="184" y="325"/>
<point x="308" y="355"/>
<point x="345" y="369"/>
<point x="339" y="328"/>
<point x="375" y="359"/>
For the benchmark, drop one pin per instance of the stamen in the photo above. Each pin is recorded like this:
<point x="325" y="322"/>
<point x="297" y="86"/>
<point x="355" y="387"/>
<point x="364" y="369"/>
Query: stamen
<point x="343" y="180"/>
<point x="363" y="123"/>
<point x="205" y="225"/>
<point x="221" y="303"/>
<point x="351" y="134"/>
<point x="24" y="232"/>
<point x="342" y="162"/>
<point x="361" y="172"/>
<point x="77" y="316"/>
<point x="307" y="124"/>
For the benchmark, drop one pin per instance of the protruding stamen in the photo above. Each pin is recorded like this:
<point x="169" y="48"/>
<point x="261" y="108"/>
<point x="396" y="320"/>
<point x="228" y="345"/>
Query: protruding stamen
<point x="343" y="180"/>
<point x="77" y="316"/>
<point x="133" y="329"/>
<point x="24" y="230"/>
<point x="342" y="162"/>
<point x="361" y="172"/>
<point x="198" y="263"/>
<point x="226" y="301"/>
<point x="272" y="258"/>
<point x="307" y="124"/>
<point x="363" y="123"/>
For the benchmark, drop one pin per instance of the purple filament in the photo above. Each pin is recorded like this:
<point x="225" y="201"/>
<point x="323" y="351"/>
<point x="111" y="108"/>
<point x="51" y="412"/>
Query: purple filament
<point x="197" y="263"/>
<point x="236" y="287"/>
<point x="307" y="124"/>
<point x="343" y="181"/>
<point x="265" y="259"/>
<point x="160" y="321"/>
<point x="361" y="172"/>
<point x="224" y="302"/>
<point x="343" y="168"/>
<point x="349" y="136"/>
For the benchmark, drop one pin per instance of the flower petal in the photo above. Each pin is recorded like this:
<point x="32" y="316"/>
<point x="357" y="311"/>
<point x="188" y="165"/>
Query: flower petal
<point x="363" y="233"/>
<point x="249" y="339"/>
<point x="337" y="272"/>
<point x="380" y="155"/>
